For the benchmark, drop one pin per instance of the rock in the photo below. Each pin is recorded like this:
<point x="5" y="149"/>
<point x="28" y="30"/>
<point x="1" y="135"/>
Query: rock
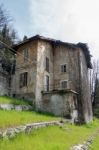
<point x="6" y="106"/>
<point x="10" y="133"/>
<point x="25" y="107"/>
<point x="84" y="147"/>
<point x="18" y="107"/>
<point x="78" y="147"/>
<point x="20" y="129"/>
<point x="28" y="129"/>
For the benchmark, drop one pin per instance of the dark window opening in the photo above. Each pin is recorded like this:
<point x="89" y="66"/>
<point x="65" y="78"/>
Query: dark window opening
<point x="47" y="83"/>
<point x="63" y="68"/>
<point x="26" y="55"/>
<point x="47" y="64"/>
<point x="23" y="79"/>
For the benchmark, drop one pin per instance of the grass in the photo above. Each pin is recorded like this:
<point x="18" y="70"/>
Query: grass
<point x="95" y="145"/>
<point x="13" y="118"/>
<point x="51" y="138"/>
<point x="9" y="100"/>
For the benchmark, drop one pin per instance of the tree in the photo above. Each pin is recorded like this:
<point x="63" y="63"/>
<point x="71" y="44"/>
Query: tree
<point x="3" y="18"/>
<point x="8" y="37"/>
<point x="94" y="80"/>
<point x="25" y="38"/>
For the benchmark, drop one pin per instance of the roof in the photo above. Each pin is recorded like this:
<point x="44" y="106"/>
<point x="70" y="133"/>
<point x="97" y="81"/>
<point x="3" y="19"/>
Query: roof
<point x="38" y="37"/>
<point x="83" y="46"/>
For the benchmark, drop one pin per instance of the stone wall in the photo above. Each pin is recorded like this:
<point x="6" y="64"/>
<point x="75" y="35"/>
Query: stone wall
<point x="60" y="103"/>
<point x="11" y="132"/>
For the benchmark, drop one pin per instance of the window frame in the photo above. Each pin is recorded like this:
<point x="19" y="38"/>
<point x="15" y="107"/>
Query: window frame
<point x="46" y="83"/>
<point x="63" y="88"/>
<point x="47" y="64"/>
<point x="26" y="54"/>
<point x="23" y="79"/>
<point x="62" y="68"/>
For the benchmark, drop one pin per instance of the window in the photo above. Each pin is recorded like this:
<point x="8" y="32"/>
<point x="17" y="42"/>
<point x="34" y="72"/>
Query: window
<point x="47" y="64"/>
<point x="47" y="83"/>
<point x="63" y="68"/>
<point x="23" y="79"/>
<point x="26" y="54"/>
<point x="63" y="84"/>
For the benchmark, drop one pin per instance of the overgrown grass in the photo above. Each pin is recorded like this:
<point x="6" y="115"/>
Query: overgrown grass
<point x="14" y="118"/>
<point x="10" y="100"/>
<point x="95" y="145"/>
<point x="51" y="138"/>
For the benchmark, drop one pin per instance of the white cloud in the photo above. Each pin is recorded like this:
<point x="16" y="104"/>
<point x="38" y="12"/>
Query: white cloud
<point x="68" y="20"/>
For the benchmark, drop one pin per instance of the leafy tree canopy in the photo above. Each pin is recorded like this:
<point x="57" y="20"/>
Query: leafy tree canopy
<point x="7" y="36"/>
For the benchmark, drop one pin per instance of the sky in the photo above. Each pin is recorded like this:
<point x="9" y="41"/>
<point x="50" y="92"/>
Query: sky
<point x="67" y="20"/>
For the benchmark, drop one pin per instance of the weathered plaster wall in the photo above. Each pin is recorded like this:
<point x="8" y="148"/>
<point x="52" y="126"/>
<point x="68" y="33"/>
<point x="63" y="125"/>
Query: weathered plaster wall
<point x="73" y="68"/>
<point x="76" y="75"/>
<point x="85" y="89"/>
<point x="44" y="50"/>
<point x="68" y="56"/>
<point x="59" y="103"/>
<point x="60" y="58"/>
<point x="27" y="92"/>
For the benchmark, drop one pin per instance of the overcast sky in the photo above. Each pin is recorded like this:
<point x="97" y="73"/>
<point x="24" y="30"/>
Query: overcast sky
<point x="67" y="20"/>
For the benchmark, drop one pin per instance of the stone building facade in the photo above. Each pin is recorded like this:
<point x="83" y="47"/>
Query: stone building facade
<point x="54" y="75"/>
